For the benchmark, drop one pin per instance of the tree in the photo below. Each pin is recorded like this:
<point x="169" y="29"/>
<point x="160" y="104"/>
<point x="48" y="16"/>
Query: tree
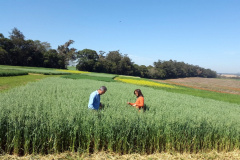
<point x="5" y="46"/>
<point x="170" y="69"/>
<point x="16" y="35"/>
<point x="16" y="52"/>
<point x="1" y="35"/>
<point x="53" y="60"/>
<point x="101" y="64"/>
<point x="141" y="71"/>
<point x="17" y="38"/>
<point x="125" y="66"/>
<point x="208" y="73"/>
<point x="113" y="59"/>
<point x="3" y="56"/>
<point x="87" y="59"/>
<point x="155" y="73"/>
<point x="158" y="71"/>
<point x="114" y="56"/>
<point x="181" y="70"/>
<point x="66" y="52"/>
<point x="101" y="54"/>
<point x="41" y="46"/>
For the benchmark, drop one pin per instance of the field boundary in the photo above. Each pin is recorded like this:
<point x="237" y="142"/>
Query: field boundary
<point x="108" y="155"/>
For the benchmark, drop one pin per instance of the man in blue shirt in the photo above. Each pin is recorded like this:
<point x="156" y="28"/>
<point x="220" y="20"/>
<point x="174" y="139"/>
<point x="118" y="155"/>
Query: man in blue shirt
<point x="94" y="99"/>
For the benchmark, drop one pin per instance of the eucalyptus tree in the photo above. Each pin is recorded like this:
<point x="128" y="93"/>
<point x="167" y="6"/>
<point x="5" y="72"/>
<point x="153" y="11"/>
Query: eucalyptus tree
<point x="66" y="52"/>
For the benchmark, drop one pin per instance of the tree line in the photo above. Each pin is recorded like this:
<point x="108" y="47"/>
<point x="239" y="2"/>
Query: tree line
<point x="16" y="50"/>
<point x="117" y="63"/>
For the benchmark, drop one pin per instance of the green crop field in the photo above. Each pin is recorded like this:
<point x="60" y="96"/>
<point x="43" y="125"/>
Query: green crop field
<point x="11" y="72"/>
<point x="8" y="82"/>
<point x="46" y="71"/>
<point x="51" y="116"/>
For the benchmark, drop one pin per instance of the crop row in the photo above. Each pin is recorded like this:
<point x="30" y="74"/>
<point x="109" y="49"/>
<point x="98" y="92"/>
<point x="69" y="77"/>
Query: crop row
<point x="39" y="70"/>
<point x="11" y="72"/>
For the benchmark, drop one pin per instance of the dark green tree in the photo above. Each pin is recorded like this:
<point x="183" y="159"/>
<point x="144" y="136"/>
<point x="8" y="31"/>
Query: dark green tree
<point x="113" y="59"/>
<point x="87" y="59"/>
<point x="52" y="59"/>
<point x="17" y="52"/>
<point x="125" y="66"/>
<point x="3" y="56"/>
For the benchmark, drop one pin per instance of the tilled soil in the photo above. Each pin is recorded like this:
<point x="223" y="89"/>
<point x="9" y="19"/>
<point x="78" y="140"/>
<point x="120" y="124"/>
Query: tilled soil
<point x="212" y="84"/>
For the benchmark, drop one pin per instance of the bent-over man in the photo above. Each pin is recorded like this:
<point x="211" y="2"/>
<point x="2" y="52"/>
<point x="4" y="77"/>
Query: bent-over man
<point x="94" y="99"/>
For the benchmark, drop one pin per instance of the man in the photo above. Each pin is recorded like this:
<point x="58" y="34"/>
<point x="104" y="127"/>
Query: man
<point x="94" y="99"/>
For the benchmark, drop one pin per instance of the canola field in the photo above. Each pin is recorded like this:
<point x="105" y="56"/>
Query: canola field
<point x="144" y="82"/>
<point x="51" y="116"/>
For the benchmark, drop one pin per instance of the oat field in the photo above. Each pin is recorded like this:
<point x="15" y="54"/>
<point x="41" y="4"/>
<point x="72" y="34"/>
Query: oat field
<point x="51" y="116"/>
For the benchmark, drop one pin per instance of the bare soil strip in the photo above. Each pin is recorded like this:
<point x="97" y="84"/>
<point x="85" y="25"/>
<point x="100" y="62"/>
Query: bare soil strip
<point x="230" y="86"/>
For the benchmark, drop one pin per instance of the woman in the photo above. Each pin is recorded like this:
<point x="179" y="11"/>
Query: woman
<point x="139" y="104"/>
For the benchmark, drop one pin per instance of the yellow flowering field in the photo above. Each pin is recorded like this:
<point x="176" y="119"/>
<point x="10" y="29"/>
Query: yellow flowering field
<point x="72" y="71"/>
<point x="144" y="82"/>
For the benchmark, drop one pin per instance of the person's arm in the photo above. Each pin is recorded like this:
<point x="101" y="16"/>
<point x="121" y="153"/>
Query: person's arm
<point x="132" y="104"/>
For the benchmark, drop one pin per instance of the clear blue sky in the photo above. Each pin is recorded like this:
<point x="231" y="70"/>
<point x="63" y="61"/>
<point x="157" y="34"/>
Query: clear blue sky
<point x="198" y="32"/>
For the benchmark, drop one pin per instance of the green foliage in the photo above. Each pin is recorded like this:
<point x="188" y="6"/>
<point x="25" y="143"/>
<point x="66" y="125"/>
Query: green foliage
<point x="174" y="69"/>
<point x="87" y="60"/>
<point x="53" y="60"/>
<point x="51" y="117"/>
<point x="89" y="76"/>
<point x="20" y="52"/>
<point x="116" y="63"/>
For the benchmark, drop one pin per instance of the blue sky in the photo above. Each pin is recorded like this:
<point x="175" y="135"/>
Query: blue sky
<point x="198" y="32"/>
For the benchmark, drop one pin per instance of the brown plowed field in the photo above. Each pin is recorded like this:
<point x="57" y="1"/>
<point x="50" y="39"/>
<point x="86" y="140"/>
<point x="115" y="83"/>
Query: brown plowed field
<point x="211" y="84"/>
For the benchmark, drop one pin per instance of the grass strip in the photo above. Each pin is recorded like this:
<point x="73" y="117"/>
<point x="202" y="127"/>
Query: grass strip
<point x="7" y="83"/>
<point x="39" y="70"/>
<point x="11" y="72"/>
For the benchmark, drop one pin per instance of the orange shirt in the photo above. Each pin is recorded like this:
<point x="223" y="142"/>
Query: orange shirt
<point x="139" y="103"/>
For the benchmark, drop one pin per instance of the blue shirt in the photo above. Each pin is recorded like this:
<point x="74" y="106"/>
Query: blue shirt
<point x="94" y="100"/>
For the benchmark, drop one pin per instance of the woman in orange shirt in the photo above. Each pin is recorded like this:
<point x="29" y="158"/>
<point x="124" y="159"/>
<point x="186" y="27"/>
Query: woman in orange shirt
<point x="139" y="104"/>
